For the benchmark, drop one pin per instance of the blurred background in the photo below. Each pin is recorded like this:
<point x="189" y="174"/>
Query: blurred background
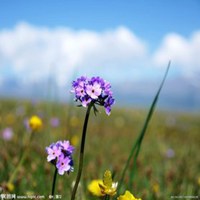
<point x="44" y="45"/>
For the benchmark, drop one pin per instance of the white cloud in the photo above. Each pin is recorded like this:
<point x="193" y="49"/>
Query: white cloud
<point x="35" y="52"/>
<point x="184" y="53"/>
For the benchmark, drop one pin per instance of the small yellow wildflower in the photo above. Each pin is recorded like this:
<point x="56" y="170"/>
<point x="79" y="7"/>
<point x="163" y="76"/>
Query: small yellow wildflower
<point x="103" y="187"/>
<point x="127" y="196"/>
<point x="75" y="140"/>
<point x="35" y="123"/>
<point x="198" y="180"/>
<point x="94" y="188"/>
<point x="10" y="187"/>
<point x="156" y="188"/>
<point x="108" y="187"/>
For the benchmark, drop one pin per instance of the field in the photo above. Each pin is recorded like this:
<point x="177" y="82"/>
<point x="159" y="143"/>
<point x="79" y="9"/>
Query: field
<point x="168" y="165"/>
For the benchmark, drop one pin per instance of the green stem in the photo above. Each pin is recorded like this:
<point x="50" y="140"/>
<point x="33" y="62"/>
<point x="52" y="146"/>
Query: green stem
<point x="81" y="155"/>
<point x="107" y="197"/>
<point x="54" y="182"/>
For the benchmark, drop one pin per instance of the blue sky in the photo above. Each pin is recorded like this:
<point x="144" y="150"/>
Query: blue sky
<point x="150" y="20"/>
<point x="119" y="40"/>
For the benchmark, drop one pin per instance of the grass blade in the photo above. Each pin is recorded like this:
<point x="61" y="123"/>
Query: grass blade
<point x="138" y="142"/>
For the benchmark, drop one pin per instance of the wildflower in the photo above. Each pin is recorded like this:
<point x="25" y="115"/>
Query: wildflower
<point x="127" y="196"/>
<point x="10" y="187"/>
<point x="63" y="164"/>
<point x="95" y="90"/>
<point x="103" y="187"/>
<point x="170" y="153"/>
<point x="108" y="103"/>
<point x="60" y="154"/>
<point x="66" y="146"/>
<point x="94" y="188"/>
<point x="54" y="122"/>
<point x="156" y="188"/>
<point x="108" y="187"/>
<point x="54" y="151"/>
<point x="35" y="123"/>
<point x="198" y="180"/>
<point x="74" y="140"/>
<point x="7" y="134"/>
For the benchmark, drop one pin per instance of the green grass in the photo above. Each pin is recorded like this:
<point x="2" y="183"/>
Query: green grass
<point x="108" y="144"/>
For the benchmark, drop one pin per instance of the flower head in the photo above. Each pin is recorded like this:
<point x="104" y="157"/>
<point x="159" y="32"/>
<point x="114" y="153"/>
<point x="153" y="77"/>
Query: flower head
<point x="35" y="123"/>
<point x="7" y="134"/>
<point x="127" y="196"/>
<point x="94" y="188"/>
<point x="54" y="121"/>
<point x="60" y="154"/>
<point x="10" y="187"/>
<point x="103" y="187"/>
<point x="108" y="187"/>
<point x="63" y="164"/>
<point x="54" y="151"/>
<point x="170" y="153"/>
<point x="95" y="90"/>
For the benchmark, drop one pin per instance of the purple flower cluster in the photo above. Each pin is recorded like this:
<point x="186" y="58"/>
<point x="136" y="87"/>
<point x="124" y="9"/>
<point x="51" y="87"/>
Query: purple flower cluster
<point x="93" y="90"/>
<point x="60" y="154"/>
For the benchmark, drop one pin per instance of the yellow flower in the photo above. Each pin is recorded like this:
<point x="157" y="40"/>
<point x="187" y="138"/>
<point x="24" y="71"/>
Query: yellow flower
<point x="35" y="123"/>
<point x="198" y="180"/>
<point x="103" y="187"/>
<point x="108" y="187"/>
<point x="94" y="188"/>
<point x="75" y="140"/>
<point x="10" y="187"/>
<point x="156" y="188"/>
<point x="127" y="196"/>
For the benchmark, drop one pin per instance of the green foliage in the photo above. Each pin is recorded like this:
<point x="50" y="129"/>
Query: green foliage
<point x="109" y="141"/>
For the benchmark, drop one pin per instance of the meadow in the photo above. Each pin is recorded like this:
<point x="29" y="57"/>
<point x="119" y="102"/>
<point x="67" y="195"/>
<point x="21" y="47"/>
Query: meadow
<point x="168" y="164"/>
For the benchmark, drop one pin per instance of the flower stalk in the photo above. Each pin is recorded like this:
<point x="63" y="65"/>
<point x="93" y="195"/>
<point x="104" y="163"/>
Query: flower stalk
<point x="81" y="155"/>
<point x="107" y="197"/>
<point x="54" y="182"/>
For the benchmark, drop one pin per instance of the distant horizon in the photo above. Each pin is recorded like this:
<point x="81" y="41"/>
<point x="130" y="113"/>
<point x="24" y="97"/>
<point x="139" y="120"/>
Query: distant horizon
<point x="179" y="98"/>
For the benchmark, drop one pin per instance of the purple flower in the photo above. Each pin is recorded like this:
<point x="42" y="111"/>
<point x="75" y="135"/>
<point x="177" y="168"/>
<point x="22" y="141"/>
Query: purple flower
<point x="80" y="91"/>
<point x="93" y="90"/>
<point x="54" y="151"/>
<point x="85" y="101"/>
<point x="63" y="165"/>
<point x="170" y="153"/>
<point x="108" y="103"/>
<point x="60" y="154"/>
<point x="67" y="147"/>
<point x="54" y="121"/>
<point x="26" y="124"/>
<point x="7" y="134"/>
